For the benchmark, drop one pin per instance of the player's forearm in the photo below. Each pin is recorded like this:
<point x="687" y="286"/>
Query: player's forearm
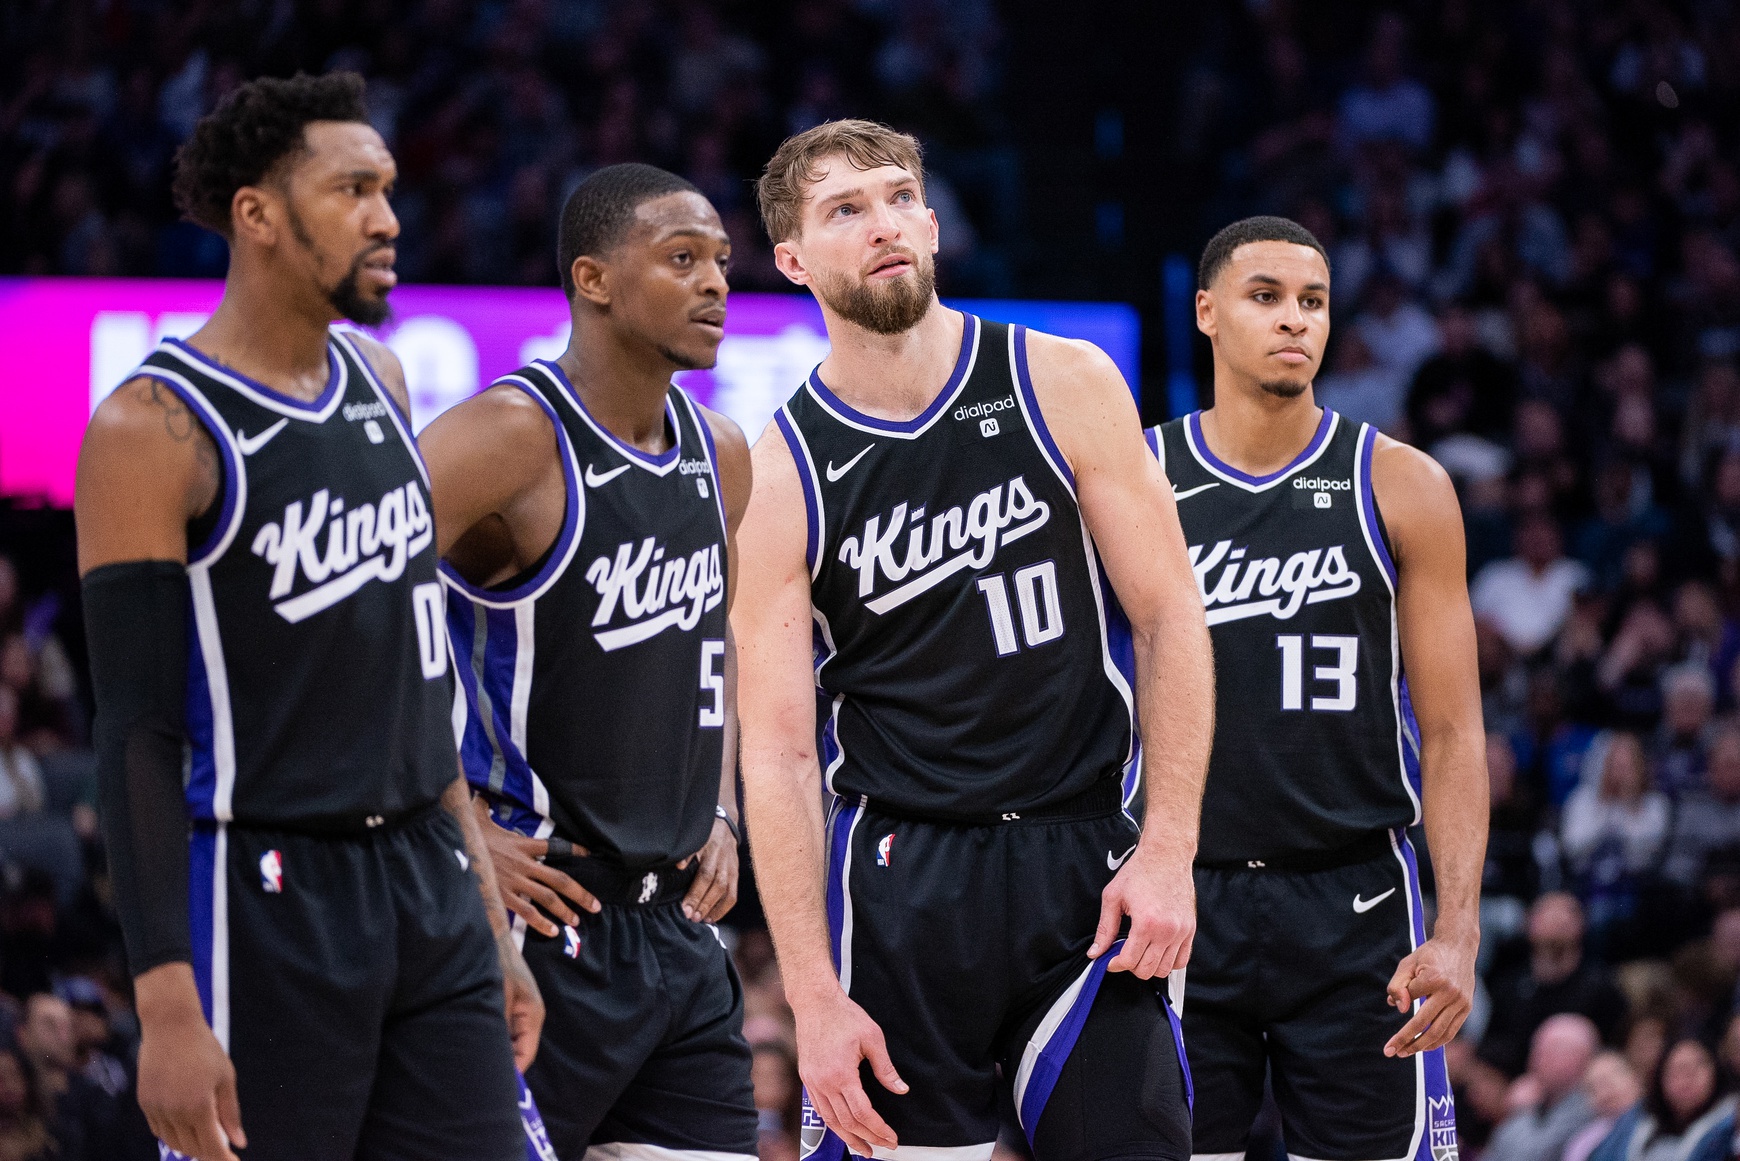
<point x="785" y="812"/>
<point x="1175" y="701"/>
<point x="456" y="800"/>
<point x="1455" y="792"/>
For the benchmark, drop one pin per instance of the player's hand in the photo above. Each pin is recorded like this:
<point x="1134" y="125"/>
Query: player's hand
<point x="833" y="1036"/>
<point x="714" y="891"/>
<point x="526" y="884"/>
<point x="1441" y="974"/>
<point x="525" y="1004"/>
<point x="1158" y="893"/>
<point x="187" y="1085"/>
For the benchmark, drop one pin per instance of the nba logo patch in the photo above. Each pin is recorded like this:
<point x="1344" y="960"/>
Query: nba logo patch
<point x="272" y="873"/>
<point x="570" y="943"/>
<point x="885" y="850"/>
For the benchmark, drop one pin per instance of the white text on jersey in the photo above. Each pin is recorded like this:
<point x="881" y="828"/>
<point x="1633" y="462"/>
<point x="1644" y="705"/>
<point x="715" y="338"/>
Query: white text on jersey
<point x="1251" y="588"/>
<point x="364" y="543"/>
<point x="689" y="586"/>
<point x="990" y="520"/>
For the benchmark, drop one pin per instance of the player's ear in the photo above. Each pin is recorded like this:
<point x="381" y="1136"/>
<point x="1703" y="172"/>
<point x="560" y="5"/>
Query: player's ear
<point x="591" y="280"/>
<point x="785" y="256"/>
<point x="935" y="234"/>
<point x="252" y="216"/>
<point x="1205" y="313"/>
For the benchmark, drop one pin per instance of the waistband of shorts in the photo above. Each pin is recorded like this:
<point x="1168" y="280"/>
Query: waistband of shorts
<point x="1102" y="799"/>
<point x="338" y="826"/>
<point x="623" y="887"/>
<point x="1360" y="850"/>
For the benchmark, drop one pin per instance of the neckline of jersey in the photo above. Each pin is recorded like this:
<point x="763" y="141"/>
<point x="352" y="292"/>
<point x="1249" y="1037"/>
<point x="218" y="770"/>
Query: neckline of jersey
<point x="314" y="410"/>
<point x="957" y="377"/>
<point x="663" y="459"/>
<point x="1199" y="444"/>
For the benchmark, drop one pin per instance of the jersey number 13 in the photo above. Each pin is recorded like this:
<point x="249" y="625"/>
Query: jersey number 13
<point x="1344" y="653"/>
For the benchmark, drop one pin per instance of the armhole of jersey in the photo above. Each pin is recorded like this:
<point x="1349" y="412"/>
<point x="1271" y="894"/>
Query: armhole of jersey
<point x="1157" y="444"/>
<point x="233" y="484"/>
<point x="1030" y="408"/>
<point x="401" y="421"/>
<point x="557" y="556"/>
<point x="1370" y="522"/>
<point x="711" y="450"/>
<point x="806" y="470"/>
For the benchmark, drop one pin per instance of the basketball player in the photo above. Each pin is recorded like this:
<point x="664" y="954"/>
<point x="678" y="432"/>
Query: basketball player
<point x="314" y="970"/>
<point x="960" y="515"/>
<point x="1330" y="561"/>
<point x="586" y="508"/>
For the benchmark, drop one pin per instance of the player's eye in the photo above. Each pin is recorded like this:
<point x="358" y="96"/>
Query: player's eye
<point x="904" y="196"/>
<point x="841" y="211"/>
<point x="682" y="258"/>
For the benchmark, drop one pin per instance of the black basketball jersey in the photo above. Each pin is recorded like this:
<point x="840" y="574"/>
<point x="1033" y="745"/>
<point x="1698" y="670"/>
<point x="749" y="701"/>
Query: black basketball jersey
<point x="965" y="635"/>
<point x="594" y="687"/>
<point x="1315" y="745"/>
<point x="317" y="687"/>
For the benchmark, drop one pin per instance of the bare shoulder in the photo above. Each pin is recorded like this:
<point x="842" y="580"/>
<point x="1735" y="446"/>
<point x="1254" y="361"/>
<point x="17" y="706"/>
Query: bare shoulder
<point x="1074" y="365"/>
<point x="734" y="463"/>
<point x="500" y="414"/>
<point x="386" y="366"/>
<point x="146" y="423"/>
<point x="1413" y="491"/>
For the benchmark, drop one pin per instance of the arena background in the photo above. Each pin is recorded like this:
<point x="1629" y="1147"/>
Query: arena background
<point x="1533" y="212"/>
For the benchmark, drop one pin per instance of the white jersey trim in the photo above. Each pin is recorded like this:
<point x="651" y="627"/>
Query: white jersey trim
<point x="636" y="1151"/>
<point x="209" y="367"/>
<point x="939" y="407"/>
<point x="1326" y="438"/>
<point x="1366" y="523"/>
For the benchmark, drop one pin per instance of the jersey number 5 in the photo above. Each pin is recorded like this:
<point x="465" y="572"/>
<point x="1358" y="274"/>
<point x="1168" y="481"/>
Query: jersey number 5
<point x="1341" y="671"/>
<point x="713" y="681"/>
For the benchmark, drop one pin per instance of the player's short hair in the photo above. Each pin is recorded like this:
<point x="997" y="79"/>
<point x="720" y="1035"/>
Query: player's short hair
<point x="252" y="131"/>
<point x="865" y="144"/>
<point x="601" y="208"/>
<point x="1262" y="228"/>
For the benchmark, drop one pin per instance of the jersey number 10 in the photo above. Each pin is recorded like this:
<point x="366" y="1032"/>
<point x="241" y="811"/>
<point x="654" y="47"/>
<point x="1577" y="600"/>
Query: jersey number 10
<point x="1041" y="610"/>
<point x="1340" y="671"/>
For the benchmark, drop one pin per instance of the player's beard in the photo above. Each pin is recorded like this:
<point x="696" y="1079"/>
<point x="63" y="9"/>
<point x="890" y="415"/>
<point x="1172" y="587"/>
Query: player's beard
<point x="1284" y="388"/>
<point x="348" y="300"/>
<point x="347" y="297"/>
<point x="890" y="307"/>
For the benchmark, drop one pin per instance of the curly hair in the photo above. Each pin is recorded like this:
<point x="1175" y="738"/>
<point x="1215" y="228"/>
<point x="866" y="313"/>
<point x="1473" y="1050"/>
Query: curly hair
<point x="250" y="132"/>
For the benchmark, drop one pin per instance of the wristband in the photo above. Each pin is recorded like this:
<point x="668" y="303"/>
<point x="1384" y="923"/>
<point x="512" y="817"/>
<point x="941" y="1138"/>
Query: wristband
<point x="719" y="812"/>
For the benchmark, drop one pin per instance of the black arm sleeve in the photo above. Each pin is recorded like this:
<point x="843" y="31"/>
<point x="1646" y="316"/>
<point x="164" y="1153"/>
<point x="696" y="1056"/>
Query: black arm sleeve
<point x="136" y="627"/>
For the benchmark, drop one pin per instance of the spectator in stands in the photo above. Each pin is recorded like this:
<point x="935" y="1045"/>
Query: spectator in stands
<point x="81" y="1114"/>
<point x="1707" y="820"/>
<point x="1528" y="597"/>
<point x="24" y="1134"/>
<point x="1548" y="1103"/>
<point x="1511" y="877"/>
<point x="1557" y="978"/>
<point x="1613" y="830"/>
<point x="1687" y="1116"/>
<point x="92" y="1035"/>
<point x="21" y="790"/>
<point x="1463" y="389"/>
<point x="1614" y="1090"/>
<point x="1678" y="748"/>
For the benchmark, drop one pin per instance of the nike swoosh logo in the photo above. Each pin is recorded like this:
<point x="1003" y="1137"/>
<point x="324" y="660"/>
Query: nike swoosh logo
<point x="1361" y="906"/>
<point x="595" y="479"/>
<point x="250" y="446"/>
<point x="1189" y="492"/>
<point x="1113" y="864"/>
<point x="835" y="473"/>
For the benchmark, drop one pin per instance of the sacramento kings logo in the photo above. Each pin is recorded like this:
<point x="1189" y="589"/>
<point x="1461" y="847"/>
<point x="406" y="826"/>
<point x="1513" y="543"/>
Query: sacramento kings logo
<point x="1441" y="1125"/>
<point x="812" y="1130"/>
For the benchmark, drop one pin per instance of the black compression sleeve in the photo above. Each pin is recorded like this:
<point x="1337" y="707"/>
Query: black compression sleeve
<point x="136" y="627"/>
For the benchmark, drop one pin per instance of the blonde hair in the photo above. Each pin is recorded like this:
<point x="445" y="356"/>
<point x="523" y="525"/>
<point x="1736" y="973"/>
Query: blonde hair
<point x="865" y="144"/>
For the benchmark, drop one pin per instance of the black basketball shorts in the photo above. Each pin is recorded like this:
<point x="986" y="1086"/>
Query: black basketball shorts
<point x="355" y="985"/>
<point x="1290" y="970"/>
<point x="967" y="944"/>
<point x="643" y="1056"/>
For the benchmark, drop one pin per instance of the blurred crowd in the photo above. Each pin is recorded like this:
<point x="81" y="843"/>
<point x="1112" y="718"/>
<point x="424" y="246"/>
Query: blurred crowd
<point x="1533" y="215"/>
<point x="1532" y="212"/>
<point x="495" y="111"/>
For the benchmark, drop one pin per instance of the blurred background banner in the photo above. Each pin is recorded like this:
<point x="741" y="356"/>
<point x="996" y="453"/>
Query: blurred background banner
<point x="72" y="341"/>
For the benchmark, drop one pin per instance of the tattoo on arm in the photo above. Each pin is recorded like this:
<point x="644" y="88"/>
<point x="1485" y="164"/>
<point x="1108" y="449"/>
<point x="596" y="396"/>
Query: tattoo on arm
<point x="183" y="426"/>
